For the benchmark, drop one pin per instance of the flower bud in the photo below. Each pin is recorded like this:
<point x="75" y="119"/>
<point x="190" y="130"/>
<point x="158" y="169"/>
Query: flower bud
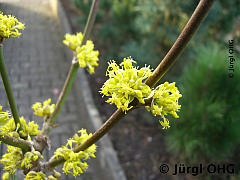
<point x="57" y="174"/>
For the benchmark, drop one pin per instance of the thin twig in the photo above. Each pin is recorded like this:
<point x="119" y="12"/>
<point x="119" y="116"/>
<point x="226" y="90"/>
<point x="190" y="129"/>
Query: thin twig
<point x="20" y="143"/>
<point x="72" y="72"/>
<point x="191" y="27"/>
<point x="8" y="90"/>
<point x="91" y="20"/>
<point x="94" y="138"/>
<point x="74" y="67"/>
<point x="66" y="88"/>
<point x="182" y="40"/>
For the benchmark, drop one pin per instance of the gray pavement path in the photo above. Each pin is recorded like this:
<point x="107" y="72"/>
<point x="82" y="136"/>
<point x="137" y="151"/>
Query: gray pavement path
<point x="37" y="64"/>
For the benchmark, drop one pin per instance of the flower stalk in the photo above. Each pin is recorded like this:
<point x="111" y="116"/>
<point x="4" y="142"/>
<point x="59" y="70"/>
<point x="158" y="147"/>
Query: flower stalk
<point x="8" y="90"/>
<point x="181" y="42"/>
<point x="16" y="142"/>
<point x="74" y="67"/>
<point x="62" y="97"/>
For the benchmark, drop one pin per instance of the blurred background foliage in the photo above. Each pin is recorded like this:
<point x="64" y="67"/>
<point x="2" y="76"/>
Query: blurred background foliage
<point x="146" y="29"/>
<point x="208" y="128"/>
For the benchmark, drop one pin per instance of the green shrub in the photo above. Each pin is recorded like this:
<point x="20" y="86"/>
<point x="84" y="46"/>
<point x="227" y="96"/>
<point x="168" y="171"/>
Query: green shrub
<point x="208" y="128"/>
<point x="145" y="29"/>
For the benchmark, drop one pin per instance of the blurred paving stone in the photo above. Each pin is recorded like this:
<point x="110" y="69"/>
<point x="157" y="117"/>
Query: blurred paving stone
<point x="37" y="66"/>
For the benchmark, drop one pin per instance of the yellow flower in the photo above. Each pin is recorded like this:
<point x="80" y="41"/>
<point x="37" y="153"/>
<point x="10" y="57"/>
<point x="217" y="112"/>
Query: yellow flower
<point x="165" y="123"/>
<point x="8" y="128"/>
<point x="30" y="157"/>
<point x="126" y="83"/>
<point x="165" y="101"/>
<point x="30" y="129"/>
<point x="85" y="54"/>
<point x="5" y="176"/>
<point x="32" y="175"/>
<point x="75" y="161"/>
<point x="87" y="57"/>
<point x="4" y="117"/>
<point x="56" y="174"/>
<point x="12" y="159"/>
<point x="44" y="109"/>
<point x="73" y="41"/>
<point x="9" y="26"/>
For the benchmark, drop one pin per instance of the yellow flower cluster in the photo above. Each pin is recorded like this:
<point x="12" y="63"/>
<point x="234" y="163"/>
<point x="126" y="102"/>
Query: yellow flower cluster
<point x="43" y="109"/>
<point x="76" y="161"/>
<point x="12" y="159"/>
<point x="30" y="129"/>
<point x="165" y="101"/>
<point x="87" y="57"/>
<point x="30" y="157"/>
<point x="4" y="117"/>
<point x="6" y="176"/>
<point x="32" y="175"/>
<point x="73" y="41"/>
<point x="85" y="54"/>
<point x="9" y="26"/>
<point x="126" y="83"/>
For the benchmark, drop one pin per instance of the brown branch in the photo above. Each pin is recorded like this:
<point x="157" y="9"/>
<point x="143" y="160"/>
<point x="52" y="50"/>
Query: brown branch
<point x="117" y="115"/>
<point x="91" y="20"/>
<point x="20" y="143"/>
<point x="182" y="40"/>
<point x="190" y="28"/>
<point x="94" y="138"/>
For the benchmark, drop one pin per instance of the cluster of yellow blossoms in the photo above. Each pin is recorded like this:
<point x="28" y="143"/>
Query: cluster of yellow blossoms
<point x="12" y="159"/>
<point x="43" y="109"/>
<point x="165" y="101"/>
<point x="30" y="129"/>
<point x="29" y="158"/>
<point x="75" y="161"/>
<point x="6" y="176"/>
<point x="32" y="175"/>
<point x="15" y="158"/>
<point x="4" y="117"/>
<point x="85" y="54"/>
<point x="9" y="26"/>
<point x="127" y="82"/>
